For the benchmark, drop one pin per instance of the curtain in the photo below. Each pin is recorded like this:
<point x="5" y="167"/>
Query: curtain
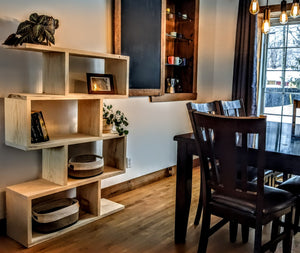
<point x="245" y="59"/>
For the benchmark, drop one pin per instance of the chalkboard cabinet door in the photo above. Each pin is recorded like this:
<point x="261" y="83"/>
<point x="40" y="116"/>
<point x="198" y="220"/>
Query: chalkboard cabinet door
<point x="161" y="38"/>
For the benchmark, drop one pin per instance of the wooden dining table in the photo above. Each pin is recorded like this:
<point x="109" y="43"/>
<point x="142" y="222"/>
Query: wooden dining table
<point x="282" y="158"/>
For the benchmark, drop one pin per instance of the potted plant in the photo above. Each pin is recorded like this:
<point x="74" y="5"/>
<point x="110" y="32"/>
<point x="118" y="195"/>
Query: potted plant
<point x="115" y="120"/>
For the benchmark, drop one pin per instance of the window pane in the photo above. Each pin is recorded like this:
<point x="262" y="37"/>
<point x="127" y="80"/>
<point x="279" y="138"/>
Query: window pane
<point x="288" y="107"/>
<point x="293" y="59"/>
<point x="294" y="36"/>
<point x="273" y="102"/>
<point x="273" y="118"/>
<point x="293" y="79"/>
<point x="286" y="119"/>
<point x="274" y="61"/>
<point x="273" y="80"/>
<point x="276" y="37"/>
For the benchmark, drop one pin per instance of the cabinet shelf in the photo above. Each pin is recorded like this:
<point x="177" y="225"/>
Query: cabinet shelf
<point x="178" y="17"/>
<point x="174" y="97"/>
<point x="174" y="65"/>
<point x="177" y="39"/>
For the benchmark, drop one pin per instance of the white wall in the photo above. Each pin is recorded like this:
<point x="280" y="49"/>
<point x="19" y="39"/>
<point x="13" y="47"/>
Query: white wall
<point x="86" y="25"/>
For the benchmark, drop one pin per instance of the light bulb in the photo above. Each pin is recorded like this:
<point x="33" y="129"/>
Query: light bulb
<point x="295" y="9"/>
<point x="266" y="23"/>
<point x="254" y="7"/>
<point x="266" y="26"/>
<point x="283" y="16"/>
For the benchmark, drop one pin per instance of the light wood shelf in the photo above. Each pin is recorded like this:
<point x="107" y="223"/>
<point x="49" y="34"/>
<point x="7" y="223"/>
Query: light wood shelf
<point x="42" y="187"/>
<point x="60" y="69"/>
<point x="73" y="119"/>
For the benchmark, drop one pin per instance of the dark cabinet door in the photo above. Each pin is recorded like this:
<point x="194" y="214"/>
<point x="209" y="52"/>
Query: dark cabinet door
<point x="141" y="40"/>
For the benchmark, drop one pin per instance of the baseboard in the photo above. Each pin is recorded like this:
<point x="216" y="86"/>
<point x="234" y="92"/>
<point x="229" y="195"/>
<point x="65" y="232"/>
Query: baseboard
<point x="135" y="183"/>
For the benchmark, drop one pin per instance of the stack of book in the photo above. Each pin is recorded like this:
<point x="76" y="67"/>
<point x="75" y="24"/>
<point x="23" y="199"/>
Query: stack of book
<point x="39" y="131"/>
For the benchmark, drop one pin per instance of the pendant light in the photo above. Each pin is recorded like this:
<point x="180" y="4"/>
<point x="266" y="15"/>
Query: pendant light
<point x="266" y="23"/>
<point x="254" y="7"/>
<point x="295" y="9"/>
<point x="283" y="16"/>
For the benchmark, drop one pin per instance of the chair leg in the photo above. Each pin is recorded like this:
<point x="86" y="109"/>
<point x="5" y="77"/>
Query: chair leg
<point x="258" y="238"/>
<point x="245" y="233"/>
<point x="199" y="209"/>
<point x="233" y="227"/>
<point x="274" y="233"/>
<point x="296" y="225"/>
<point x="287" y="241"/>
<point x="204" y="232"/>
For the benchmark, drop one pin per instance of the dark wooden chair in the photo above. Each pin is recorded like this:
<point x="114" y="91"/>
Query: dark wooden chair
<point x="211" y="108"/>
<point x="233" y="197"/>
<point x="236" y="108"/>
<point x="233" y="108"/>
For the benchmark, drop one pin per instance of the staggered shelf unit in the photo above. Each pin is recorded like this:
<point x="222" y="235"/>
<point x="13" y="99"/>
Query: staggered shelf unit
<point x="73" y="117"/>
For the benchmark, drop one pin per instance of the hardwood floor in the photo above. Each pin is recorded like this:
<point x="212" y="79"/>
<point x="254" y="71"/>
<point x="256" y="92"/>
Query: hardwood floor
<point x="146" y="225"/>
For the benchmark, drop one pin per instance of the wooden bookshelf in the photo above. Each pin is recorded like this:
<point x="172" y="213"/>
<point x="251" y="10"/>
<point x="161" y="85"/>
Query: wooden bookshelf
<point x="72" y="117"/>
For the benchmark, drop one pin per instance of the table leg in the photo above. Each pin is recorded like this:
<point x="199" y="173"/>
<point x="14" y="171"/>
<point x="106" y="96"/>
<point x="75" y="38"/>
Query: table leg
<point x="183" y="191"/>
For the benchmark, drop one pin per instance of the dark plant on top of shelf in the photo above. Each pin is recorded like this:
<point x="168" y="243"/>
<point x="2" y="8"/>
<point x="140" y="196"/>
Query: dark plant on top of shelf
<point x="118" y="119"/>
<point x="39" y="29"/>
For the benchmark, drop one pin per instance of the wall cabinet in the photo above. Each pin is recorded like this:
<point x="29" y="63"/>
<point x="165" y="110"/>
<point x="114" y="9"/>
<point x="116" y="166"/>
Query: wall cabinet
<point x="73" y="117"/>
<point x="161" y="37"/>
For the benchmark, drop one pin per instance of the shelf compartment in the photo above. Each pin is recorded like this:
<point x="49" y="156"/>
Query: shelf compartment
<point x="20" y="198"/>
<point x="61" y="73"/>
<point x="80" y="65"/>
<point x="107" y="207"/>
<point x="78" y="120"/>
<point x="55" y="160"/>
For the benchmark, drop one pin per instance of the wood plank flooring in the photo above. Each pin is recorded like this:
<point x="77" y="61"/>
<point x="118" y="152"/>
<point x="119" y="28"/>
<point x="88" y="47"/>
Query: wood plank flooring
<point x="146" y="225"/>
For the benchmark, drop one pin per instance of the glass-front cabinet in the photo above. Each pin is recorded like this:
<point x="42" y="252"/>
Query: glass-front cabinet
<point x="161" y="38"/>
<point x="181" y="35"/>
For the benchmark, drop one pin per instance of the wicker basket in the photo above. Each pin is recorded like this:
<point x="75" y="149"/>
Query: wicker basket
<point x="83" y="166"/>
<point x="55" y="214"/>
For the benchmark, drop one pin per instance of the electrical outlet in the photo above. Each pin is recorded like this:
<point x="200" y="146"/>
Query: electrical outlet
<point x="128" y="162"/>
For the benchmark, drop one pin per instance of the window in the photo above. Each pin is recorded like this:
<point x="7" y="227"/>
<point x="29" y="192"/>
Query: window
<point x="280" y="73"/>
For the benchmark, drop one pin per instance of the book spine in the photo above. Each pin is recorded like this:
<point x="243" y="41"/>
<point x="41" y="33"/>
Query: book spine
<point x="43" y="126"/>
<point x="34" y="131"/>
<point x="38" y="128"/>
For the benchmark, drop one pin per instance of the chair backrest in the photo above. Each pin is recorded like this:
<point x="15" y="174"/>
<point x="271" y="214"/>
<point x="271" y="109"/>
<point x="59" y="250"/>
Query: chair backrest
<point x="224" y="161"/>
<point x="232" y="108"/>
<point x="210" y="107"/>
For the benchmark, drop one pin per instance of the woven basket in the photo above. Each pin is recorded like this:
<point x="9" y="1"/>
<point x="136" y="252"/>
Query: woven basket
<point x="54" y="215"/>
<point x="83" y="166"/>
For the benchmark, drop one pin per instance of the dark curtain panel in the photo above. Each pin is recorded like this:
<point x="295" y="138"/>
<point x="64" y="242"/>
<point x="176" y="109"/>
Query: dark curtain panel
<point x="245" y="59"/>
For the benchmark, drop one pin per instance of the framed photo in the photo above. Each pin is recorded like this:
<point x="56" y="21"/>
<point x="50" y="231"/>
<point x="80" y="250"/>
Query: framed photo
<point x="100" y="83"/>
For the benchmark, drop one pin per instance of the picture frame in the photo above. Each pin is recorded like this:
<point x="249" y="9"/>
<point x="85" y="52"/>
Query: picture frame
<point x="100" y="83"/>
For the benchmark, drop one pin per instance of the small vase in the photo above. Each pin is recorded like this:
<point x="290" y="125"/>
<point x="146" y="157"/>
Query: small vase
<point x="107" y="128"/>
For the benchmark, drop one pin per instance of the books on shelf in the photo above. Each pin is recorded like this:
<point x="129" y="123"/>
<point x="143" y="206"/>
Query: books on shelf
<point x="39" y="131"/>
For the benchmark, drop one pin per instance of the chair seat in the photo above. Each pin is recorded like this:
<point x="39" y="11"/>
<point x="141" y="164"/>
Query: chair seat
<point x="291" y="185"/>
<point x="274" y="200"/>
